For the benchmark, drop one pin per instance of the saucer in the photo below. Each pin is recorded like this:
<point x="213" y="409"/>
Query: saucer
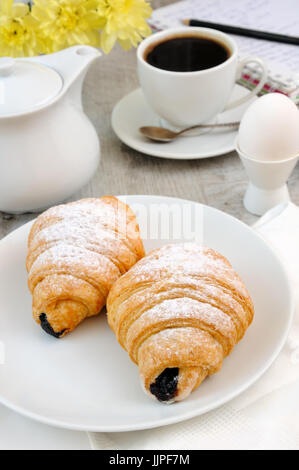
<point x="132" y="112"/>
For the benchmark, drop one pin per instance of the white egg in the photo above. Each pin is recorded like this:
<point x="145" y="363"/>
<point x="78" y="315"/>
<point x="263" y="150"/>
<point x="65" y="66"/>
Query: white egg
<point x="269" y="129"/>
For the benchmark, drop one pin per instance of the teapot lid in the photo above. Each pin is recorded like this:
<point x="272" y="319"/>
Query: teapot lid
<point x="26" y="86"/>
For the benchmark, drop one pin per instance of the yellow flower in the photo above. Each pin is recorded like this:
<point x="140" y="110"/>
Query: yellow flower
<point x="124" y="21"/>
<point x="68" y="22"/>
<point x="18" y="36"/>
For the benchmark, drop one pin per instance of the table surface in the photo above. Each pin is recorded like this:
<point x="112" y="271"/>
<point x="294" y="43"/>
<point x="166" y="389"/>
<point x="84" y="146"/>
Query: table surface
<point x="218" y="182"/>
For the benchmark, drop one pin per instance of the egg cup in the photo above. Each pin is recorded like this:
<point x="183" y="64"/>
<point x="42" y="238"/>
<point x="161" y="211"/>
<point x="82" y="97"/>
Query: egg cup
<point x="267" y="182"/>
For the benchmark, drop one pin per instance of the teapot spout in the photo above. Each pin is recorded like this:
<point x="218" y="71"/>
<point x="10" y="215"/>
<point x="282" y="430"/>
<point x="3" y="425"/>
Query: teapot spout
<point x="72" y="64"/>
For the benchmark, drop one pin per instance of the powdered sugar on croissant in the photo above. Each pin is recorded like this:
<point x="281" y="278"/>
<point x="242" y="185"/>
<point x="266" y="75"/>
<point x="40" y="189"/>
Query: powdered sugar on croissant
<point x="178" y="313"/>
<point x="76" y="252"/>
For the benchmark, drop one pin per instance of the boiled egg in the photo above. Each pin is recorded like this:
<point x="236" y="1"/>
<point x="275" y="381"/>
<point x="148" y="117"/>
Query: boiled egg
<point x="269" y="129"/>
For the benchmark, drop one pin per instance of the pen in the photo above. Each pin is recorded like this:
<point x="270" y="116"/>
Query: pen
<point x="251" y="33"/>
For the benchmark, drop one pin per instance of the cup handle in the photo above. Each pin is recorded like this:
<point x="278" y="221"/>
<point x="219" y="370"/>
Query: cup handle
<point x="256" y="89"/>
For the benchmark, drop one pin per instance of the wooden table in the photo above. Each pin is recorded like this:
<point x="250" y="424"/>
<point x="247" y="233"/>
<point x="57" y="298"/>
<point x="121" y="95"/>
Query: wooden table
<point x="219" y="182"/>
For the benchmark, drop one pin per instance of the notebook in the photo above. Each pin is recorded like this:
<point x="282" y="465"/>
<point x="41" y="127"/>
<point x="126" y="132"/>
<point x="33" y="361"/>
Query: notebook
<point x="267" y="15"/>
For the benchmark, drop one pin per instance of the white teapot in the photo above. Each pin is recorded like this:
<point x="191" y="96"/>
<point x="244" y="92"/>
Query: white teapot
<point x="48" y="147"/>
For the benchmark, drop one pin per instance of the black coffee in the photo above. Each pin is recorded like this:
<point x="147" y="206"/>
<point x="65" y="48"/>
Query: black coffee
<point x="186" y="54"/>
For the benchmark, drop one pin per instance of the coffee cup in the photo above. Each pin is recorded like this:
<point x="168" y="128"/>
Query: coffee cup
<point x="188" y="74"/>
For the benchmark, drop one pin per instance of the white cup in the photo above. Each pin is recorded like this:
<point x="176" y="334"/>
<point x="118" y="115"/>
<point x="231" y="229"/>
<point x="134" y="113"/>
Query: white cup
<point x="184" y="99"/>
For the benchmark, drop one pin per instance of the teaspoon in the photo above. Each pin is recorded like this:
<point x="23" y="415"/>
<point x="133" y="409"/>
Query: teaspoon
<point x="160" y="134"/>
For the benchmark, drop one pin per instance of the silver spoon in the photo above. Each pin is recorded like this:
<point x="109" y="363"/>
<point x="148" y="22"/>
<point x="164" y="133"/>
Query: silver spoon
<point x="159" y="134"/>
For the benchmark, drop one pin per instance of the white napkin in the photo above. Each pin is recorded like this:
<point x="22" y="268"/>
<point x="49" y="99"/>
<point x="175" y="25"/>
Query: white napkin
<point x="264" y="417"/>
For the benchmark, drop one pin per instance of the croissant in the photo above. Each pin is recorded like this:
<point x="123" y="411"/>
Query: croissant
<point x="178" y="313"/>
<point x="76" y="252"/>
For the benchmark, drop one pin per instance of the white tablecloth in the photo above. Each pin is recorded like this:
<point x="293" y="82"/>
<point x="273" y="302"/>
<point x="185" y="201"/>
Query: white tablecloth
<point x="17" y="432"/>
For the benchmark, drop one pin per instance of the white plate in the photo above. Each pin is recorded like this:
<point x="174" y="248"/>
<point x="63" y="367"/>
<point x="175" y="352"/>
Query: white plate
<point x="86" y="381"/>
<point x="132" y="112"/>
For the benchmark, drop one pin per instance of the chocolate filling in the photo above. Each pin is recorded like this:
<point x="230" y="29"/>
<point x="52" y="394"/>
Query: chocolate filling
<point x="47" y="327"/>
<point x="165" y="386"/>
